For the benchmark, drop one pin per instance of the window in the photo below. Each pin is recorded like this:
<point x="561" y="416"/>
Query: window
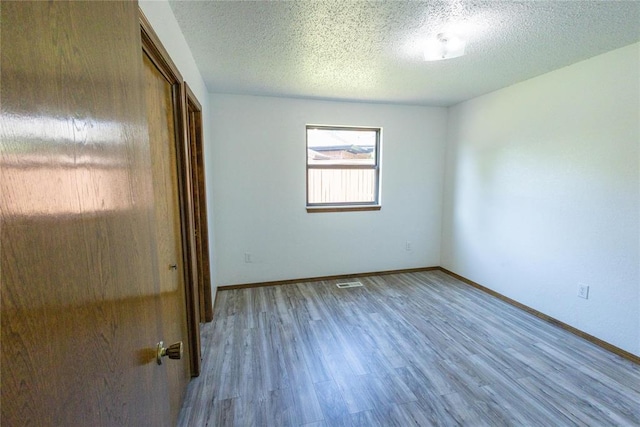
<point x="343" y="168"/>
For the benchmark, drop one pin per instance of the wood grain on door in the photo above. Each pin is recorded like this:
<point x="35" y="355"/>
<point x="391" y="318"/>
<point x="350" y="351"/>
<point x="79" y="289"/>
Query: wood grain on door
<point x="80" y="295"/>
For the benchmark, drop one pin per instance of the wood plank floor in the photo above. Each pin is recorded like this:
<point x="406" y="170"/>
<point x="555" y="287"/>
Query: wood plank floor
<point x="409" y="349"/>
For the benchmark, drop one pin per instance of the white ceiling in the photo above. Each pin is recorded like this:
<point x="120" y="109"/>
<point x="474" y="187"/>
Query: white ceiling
<point x="371" y="51"/>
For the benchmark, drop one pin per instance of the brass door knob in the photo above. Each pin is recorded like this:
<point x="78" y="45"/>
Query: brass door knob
<point x="174" y="351"/>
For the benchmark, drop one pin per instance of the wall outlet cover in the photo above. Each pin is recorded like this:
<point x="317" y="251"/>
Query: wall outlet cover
<point x="583" y="291"/>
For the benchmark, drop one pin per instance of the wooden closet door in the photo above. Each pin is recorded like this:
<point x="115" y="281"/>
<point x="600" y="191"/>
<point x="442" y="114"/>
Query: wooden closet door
<point x="198" y="182"/>
<point x="81" y="304"/>
<point x="163" y="117"/>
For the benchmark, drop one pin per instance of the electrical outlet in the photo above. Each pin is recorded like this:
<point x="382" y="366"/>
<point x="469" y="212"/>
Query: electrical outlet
<point x="247" y="258"/>
<point x="583" y="291"/>
<point x="407" y="246"/>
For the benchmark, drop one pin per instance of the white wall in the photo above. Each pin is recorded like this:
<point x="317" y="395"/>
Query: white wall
<point x="542" y="193"/>
<point x="258" y="168"/>
<point x="164" y="23"/>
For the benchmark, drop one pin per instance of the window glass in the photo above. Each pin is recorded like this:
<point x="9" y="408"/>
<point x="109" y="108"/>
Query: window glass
<point x="340" y="147"/>
<point x="343" y="166"/>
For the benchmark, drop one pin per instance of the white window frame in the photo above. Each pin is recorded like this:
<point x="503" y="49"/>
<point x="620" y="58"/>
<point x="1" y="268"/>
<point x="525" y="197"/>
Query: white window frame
<point x="345" y="206"/>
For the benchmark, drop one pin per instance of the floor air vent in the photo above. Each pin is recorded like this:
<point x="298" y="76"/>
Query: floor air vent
<point x="349" y="285"/>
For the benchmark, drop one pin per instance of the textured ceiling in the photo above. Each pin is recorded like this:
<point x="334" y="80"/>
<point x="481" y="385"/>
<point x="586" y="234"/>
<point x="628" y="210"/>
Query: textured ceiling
<point x="371" y="51"/>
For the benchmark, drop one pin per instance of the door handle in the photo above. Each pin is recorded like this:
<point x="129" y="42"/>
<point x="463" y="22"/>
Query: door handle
<point x="174" y="351"/>
<point x="173" y="266"/>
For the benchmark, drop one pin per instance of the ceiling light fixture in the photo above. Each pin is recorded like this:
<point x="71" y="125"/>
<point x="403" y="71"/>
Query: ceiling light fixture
<point x="444" y="46"/>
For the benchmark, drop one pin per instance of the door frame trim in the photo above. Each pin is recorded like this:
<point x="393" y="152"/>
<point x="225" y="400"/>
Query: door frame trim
<point x="198" y="181"/>
<point x="152" y="46"/>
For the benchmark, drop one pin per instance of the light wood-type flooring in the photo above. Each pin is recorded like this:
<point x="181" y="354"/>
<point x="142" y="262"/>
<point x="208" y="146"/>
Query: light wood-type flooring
<point x="414" y="349"/>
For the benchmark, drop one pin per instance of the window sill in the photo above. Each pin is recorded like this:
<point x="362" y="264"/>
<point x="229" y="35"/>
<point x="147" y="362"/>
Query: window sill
<point x="318" y="209"/>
